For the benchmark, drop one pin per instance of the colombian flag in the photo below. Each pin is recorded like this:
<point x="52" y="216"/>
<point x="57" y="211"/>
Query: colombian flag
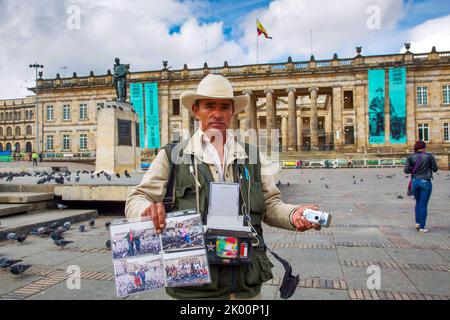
<point x="261" y="30"/>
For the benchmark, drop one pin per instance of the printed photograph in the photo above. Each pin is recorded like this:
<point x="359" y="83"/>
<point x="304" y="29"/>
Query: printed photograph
<point x="184" y="232"/>
<point x="187" y="268"/>
<point x="139" y="274"/>
<point x="134" y="239"/>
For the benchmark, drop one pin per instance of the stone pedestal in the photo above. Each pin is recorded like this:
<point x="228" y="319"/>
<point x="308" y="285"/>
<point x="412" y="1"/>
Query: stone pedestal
<point x="117" y="138"/>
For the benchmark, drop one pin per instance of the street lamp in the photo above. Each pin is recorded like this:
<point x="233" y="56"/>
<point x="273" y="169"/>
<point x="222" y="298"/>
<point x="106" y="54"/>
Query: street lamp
<point x="37" y="66"/>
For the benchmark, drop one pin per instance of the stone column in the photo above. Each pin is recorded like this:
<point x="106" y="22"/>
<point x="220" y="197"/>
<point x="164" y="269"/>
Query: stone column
<point x="292" y="124"/>
<point x="284" y="133"/>
<point x="270" y="119"/>
<point x="338" y="125"/>
<point x="299" y="132"/>
<point x="251" y="110"/>
<point x="314" y="121"/>
<point x="410" y="115"/>
<point x="362" y="118"/>
<point x="165" y="106"/>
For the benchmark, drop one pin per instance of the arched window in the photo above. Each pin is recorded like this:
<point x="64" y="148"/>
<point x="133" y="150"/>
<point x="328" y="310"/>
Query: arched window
<point x="17" y="131"/>
<point x="17" y="147"/>
<point x="8" y="146"/>
<point x="9" y="131"/>
<point x="29" y="130"/>
<point x="28" y="147"/>
<point x="1" y="131"/>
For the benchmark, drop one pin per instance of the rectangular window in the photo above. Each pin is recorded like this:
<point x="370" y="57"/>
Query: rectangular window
<point x="422" y="96"/>
<point x="50" y="113"/>
<point x="446" y="94"/>
<point x="66" y="142"/>
<point x="83" y="141"/>
<point x="176" y="107"/>
<point x="83" y="111"/>
<point x="66" y="112"/>
<point x="423" y="132"/>
<point x="348" y="99"/>
<point x="447" y="132"/>
<point x="49" y="143"/>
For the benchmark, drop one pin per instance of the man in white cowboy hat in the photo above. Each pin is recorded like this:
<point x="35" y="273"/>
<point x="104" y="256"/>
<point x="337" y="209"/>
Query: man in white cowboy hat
<point x="216" y="151"/>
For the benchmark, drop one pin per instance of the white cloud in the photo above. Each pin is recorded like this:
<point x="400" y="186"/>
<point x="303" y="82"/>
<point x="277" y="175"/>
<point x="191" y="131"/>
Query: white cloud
<point x="137" y="31"/>
<point x="431" y="33"/>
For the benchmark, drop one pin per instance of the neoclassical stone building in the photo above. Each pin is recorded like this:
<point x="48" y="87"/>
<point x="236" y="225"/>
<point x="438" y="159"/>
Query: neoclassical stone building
<point x="17" y="124"/>
<point x="318" y="106"/>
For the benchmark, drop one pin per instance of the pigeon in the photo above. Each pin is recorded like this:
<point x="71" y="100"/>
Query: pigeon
<point x="41" y="181"/>
<point x="12" y="236"/>
<point x="62" y="243"/>
<point x="278" y="183"/>
<point x="309" y="181"/>
<point x="361" y="180"/>
<point x="118" y="175"/>
<point x="56" y="235"/>
<point x="77" y="179"/>
<point x="108" y="177"/>
<point x="288" y="184"/>
<point x="7" y="262"/>
<point x="354" y="177"/>
<point x="61" y="206"/>
<point x="399" y="196"/>
<point x="127" y="174"/>
<point x="354" y="181"/>
<point x="54" y="225"/>
<point x="322" y="178"/>
<point x="19" y="269"/>
<point x="59" y="180"/>
<point x="108" y="244"/>
<point x="92" y="222"/>
<point x="92" y="176"/>
<point x="22" y="238"/>
<point x="10" y="177"/>
<point x="98" y="175"/>
<point x="66" y="225"/>
<point x="82" y="228"/>
<point x="327" y="186"/>
<point x="107" y="224"/>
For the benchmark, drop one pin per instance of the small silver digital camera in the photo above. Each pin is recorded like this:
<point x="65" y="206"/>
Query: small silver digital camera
<point x="321" y="218"/>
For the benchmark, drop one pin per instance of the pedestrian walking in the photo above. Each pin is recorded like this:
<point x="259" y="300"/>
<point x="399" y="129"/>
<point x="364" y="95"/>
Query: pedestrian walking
<point x="421" y="166"/>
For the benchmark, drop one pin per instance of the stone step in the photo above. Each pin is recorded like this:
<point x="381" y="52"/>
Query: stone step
<point x="25" y="197"/>
<point x="23" y="224"/>
<point x="9" y="209"/>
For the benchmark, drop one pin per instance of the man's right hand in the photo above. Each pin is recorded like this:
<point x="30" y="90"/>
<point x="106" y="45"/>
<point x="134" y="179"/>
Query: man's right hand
<point x="157" y="214"/>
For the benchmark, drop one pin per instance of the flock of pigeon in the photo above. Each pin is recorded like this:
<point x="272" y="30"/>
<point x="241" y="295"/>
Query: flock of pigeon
<point x="58" y="177"/>
<point x="55" y="232"/>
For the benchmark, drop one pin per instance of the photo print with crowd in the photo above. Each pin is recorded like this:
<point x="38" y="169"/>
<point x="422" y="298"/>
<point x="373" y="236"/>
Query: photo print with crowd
<point x="134" y="239"/>
<point x="140" y="274"/>
<point x="183" y="232"/>
<point x="186" y="268"/>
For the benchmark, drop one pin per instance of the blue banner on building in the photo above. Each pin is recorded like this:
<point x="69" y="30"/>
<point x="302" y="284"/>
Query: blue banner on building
<point x="397" y="97"/>
<point x="152" y="115"/>
<point x="137" y="99"/>
<point x="376" y="106"/>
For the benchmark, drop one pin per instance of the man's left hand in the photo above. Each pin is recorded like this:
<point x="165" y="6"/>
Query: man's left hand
<point x="300" y="222"/>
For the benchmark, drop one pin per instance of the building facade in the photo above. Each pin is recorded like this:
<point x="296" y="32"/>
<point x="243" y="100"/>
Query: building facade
<point x="17" y="124"/>
<point x="317" y="105"/>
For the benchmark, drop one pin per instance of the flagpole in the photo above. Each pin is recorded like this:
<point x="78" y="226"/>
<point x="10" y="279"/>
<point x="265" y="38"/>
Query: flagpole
<point x="257" y="46"/>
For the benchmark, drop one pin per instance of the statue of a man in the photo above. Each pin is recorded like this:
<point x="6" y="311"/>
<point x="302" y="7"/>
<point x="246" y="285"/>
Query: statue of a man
<point x="120" y="80"/>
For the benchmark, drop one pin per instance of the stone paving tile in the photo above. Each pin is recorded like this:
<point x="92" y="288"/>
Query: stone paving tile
<point x="319" y="294"/>
<point x="374" y="254"/>
<point x="415" y="256"/>
<point x="391" y="279"/>
<point x="10" y="282"/>
<point x="90" y="290"/>
<point x="430" y="282"/>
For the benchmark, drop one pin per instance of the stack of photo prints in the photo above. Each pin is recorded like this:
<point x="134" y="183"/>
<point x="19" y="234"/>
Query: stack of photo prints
<point x="144" y="260"/>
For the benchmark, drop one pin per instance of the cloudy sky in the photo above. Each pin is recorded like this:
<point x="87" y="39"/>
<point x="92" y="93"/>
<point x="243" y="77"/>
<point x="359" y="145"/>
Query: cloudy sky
<point x="86" y="35"/>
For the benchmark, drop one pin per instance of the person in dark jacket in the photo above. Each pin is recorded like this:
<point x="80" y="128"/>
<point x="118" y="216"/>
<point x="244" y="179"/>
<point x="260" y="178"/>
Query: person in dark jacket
<point x="423" y="164"/>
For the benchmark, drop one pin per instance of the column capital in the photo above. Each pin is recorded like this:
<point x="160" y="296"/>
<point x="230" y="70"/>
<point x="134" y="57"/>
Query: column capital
<point x="313" y="89"/>
<point x="291" y="89"/>
<point x="269" y="91"/>
<point x="249" y="92"/>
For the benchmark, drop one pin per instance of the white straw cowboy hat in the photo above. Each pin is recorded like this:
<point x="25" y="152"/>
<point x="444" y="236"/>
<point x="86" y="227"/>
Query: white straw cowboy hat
<point x="214" y="86"/>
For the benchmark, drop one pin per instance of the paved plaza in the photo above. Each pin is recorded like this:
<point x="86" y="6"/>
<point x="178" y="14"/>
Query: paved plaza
<point x="371" y="226"/>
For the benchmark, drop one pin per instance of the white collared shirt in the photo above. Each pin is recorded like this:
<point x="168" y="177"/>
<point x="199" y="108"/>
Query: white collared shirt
<point x="209" y="148"/>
